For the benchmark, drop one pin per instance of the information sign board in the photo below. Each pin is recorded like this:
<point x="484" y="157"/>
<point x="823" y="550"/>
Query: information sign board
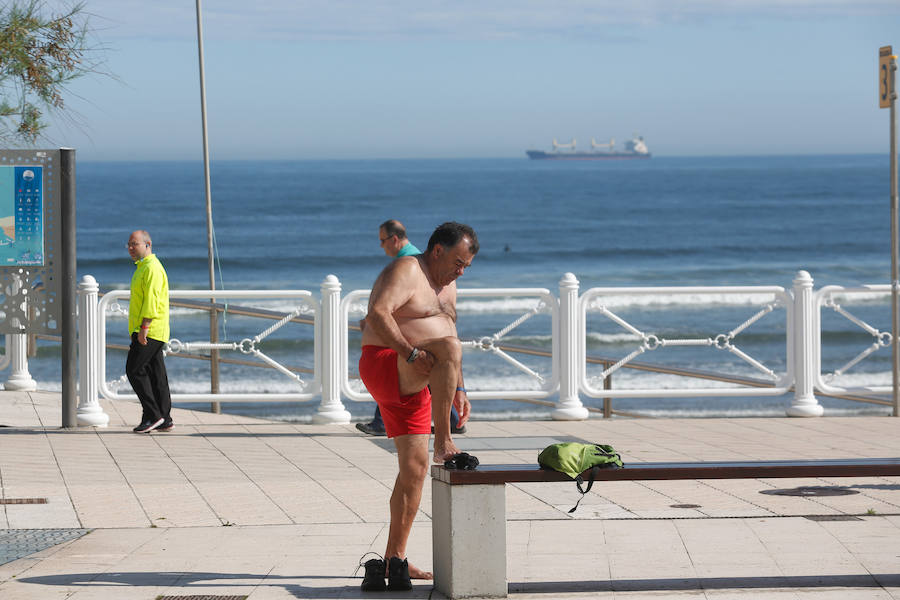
<point x="21" y="215"/>
<point x="30" y="242"/>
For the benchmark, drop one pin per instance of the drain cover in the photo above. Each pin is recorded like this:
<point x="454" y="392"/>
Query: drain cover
<point x="684" y="506"/>
<point x="832" y="518"/>
<point x="23" y="501"/>
<point x="19" y="543"/>
<point x="812" y="491"/>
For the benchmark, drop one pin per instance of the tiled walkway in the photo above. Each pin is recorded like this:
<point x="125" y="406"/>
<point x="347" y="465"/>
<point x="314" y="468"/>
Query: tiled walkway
<point x="227" y="505"/>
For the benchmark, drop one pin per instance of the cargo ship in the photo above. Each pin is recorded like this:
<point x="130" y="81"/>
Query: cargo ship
<point x="634" y="148"/>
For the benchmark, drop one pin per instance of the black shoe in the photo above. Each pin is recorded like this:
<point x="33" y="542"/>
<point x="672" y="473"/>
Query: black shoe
<point x="398" y="575"/>
<point x="374" y="578"/>
<point x="370" y="429"/>
<point x="167" y="425"/>
<point x="148" y="426"/>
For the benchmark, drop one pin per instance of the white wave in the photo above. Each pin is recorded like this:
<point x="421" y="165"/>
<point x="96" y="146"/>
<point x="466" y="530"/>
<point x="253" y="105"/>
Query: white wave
<point x="860" y="379"/>
<point x="625" y="379"/>
<point x="500" y="305"/>
<point x="256" y="387"/>
<point x="649" y="300"/>
<point x="612" y="338"/>
<point x="866" y="297"/>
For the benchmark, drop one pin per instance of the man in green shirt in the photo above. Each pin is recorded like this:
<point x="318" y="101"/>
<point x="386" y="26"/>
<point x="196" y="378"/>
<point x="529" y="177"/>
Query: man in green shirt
<point x="148" y="324"/>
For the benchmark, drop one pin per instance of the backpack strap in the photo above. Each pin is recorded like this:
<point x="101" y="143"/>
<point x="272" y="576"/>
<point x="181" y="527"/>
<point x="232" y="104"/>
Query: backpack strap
<point x="579" y="480"/>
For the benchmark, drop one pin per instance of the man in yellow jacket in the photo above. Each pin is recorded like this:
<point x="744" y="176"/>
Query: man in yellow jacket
<point x="148" y="324"/>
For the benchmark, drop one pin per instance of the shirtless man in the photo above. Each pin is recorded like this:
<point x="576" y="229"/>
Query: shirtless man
<point x="410" y="343"/>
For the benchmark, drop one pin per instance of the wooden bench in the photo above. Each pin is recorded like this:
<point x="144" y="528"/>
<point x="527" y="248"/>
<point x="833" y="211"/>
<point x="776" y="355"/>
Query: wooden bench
<point x="469" y="507"/>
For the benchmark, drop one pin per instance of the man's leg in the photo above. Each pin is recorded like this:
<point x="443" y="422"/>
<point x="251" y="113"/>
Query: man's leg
<point x="160" y="380"/>
<point x="377" y="422"/>
<point x="137" y="369"/>
<point x="412" y="458"/>
<point x="443" y="378"/>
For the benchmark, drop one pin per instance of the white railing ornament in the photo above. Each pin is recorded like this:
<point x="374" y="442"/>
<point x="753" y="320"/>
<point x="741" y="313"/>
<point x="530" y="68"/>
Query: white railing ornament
<point x="571" y="355"/>
<point x="330" y="339"/>
<point x="804" y="403"/>
<point x="89" y="411"/>
<point x="20" y="379"/>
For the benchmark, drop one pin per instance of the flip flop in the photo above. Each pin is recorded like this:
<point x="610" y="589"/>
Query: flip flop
<point x="462" y="461"/>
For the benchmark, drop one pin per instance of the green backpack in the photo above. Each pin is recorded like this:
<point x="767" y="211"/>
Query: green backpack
<point x="574" y="458"/>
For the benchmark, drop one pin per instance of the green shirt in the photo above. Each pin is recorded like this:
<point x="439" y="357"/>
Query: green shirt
<point x="149" y="298"/>
<point x="408" y="250"/>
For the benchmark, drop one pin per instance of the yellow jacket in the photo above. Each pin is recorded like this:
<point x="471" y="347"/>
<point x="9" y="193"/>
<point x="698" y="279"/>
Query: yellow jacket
<point x="149" y="298"/>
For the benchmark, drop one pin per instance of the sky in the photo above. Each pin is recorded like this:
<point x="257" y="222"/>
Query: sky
<point x="358" y="79"/>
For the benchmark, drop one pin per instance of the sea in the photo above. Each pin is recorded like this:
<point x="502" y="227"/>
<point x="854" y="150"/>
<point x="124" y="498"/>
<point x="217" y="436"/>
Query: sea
<point x="662" y="222"/>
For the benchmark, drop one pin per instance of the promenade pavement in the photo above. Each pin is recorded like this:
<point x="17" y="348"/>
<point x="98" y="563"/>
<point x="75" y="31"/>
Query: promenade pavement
<point x="227" y="506"/>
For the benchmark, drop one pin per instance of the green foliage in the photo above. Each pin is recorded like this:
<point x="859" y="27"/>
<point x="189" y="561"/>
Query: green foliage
<point x="40" y="52"/>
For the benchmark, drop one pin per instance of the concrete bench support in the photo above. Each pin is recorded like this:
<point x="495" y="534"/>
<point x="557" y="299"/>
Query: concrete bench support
<point x="469" y="539"/>
<point x="468" y="510"/>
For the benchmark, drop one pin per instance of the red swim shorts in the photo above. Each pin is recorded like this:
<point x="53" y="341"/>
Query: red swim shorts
<point x="402" y="415"/>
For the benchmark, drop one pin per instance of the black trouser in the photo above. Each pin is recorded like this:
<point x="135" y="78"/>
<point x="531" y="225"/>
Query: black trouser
<point x="146" y="372"/>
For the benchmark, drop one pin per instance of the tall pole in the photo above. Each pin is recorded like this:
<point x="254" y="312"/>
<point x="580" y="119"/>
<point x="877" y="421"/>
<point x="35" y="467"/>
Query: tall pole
<point x="213" y="317"/>
<point x="895" y="277"/>
<point x="68" y="326"/>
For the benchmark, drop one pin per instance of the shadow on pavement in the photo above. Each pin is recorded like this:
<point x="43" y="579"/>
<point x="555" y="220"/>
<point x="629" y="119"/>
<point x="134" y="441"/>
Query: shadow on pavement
<point x="243" y="583"/>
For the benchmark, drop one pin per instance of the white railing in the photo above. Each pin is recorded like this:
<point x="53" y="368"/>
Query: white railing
<point x="567" y="374"/>
<point x="715" y="341"/>
<point x="247" y="346"/>
<point x="828" y="298"/>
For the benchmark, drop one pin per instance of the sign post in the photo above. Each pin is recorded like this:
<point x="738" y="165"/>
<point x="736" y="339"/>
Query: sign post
<point x="887" y="98"/>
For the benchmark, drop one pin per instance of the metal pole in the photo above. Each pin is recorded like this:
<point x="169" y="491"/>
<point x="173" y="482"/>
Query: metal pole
<point x="213" y="316"/>
<point x="68" y="327"/>
<point x="895" y="277"/>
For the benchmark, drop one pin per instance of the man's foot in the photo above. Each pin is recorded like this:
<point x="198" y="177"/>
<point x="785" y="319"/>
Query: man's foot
<point x="417" y="573"/>
<point x="370" y="429"/>
<point x="167" y="425"/>
<point x="373" y="581"/>
<point x="398" y="575"/>
<point x="148" y="426"/>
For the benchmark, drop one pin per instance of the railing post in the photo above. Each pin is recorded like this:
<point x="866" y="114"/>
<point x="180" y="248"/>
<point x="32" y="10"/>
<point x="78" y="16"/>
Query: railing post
<point x="569" y="407"/>
<point x="607" y="402"/>
<point x="806" y="338"/>
<point x="330" y="410"/>
<point x="89" y="410"/>
<point x="19" y="378"/>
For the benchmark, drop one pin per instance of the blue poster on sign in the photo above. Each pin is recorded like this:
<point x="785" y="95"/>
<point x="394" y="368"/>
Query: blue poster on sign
<point x="21" y="216"/>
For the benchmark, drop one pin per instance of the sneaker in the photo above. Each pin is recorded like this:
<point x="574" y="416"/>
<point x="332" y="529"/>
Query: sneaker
<point x="148" y="426"/>
<point x="370" y="429"/>
<point x="167" y="425"/>
<point x="373" y="581"/>
<point x="398" y="575"/>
